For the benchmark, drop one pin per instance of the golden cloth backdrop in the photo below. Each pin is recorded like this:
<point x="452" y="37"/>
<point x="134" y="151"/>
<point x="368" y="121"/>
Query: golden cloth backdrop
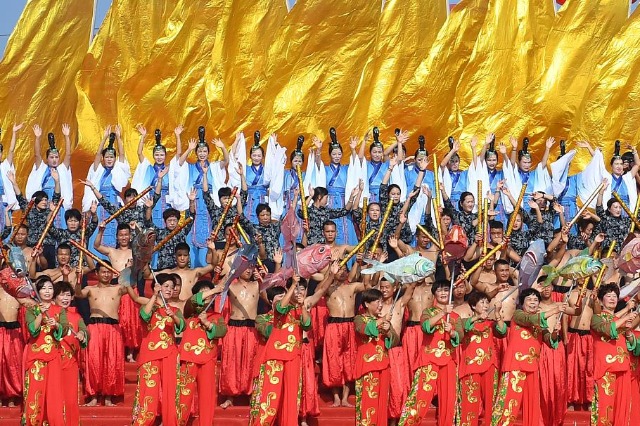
<point x="513" y="67"/>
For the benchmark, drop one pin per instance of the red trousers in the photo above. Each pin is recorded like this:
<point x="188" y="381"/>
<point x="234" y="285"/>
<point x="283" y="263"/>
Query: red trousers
<point x="580" y="368"/>
<point x="427" y="381"/>
<point x="518" y="390"/>
<point x="635" y="389"/>
<point x="553" y="385"/>
<point x="11" y="373"/>
<point x="372" y="398"/>
<point x="43" y="399"/>
<point x="70" y="372"/>
<point x="339" y="354"/>
<point x="412" y="344"/>
<point x="399" y="381"/>
<point x="278" y="388"/>
<point x="611" y="404"/>
<point x="104" y="361"/>
<point x="477" y="392"/>
<point x="200" y="377"/>
<point x="239" y="348"/>
<point x="156" y="393"/>
<point x="130" y="322"/>
<point x="319" y="315"/>
<point x="309" y="402"/>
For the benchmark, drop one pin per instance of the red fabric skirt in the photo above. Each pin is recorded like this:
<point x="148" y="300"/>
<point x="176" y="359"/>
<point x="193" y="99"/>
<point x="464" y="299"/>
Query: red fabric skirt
<point x="239" y="349"/>
<point x="580" y="368"/>
<point x="130" y="322"/>
<point x="399" y="381"/>
<point x="339" y="354"/>
<point x="553" y="385"/>
<point x="104" y="361"/>
<point x="11" y="373"/>
<point x="412" y="344"/>
<point x="319" y="315"/>
<point x="309" y="405"/>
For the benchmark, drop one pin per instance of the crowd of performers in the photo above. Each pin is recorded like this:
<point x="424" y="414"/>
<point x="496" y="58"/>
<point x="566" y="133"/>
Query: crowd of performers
<point x="512" y="306"/>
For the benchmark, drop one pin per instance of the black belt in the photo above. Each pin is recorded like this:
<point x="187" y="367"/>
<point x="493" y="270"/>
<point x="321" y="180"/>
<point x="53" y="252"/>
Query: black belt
<point x="339" y="320"/>
<point x="579" y="332"/>
<point x="10" y="325"/>
<point x="413" y="323"/>
<point x="561" y="289"/>
<point x="305" y="340"/>
<point x="102" y="320"/>
<point x="242" y="323"/>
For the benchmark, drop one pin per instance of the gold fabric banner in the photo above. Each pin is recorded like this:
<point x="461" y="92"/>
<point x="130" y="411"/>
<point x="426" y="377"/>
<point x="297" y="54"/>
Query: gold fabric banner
<point x="425" y="103"/>
<point x="169" y="89"/>
<point x="406" y="31"/>
<point x="582" y="31"/>
<point x="121" y="48"/>
<point x="235" y="80"/>
<point x="40" y="62"/>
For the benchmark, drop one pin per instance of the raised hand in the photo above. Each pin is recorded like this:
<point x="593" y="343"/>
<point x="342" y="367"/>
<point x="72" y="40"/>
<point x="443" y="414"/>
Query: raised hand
<point x="163" y="172"/>
<point x="514" y="142"/>
<point x="277" y="255"/>
<point x="550" y="142"/>
<point x="193" y="143"/>
<point x="474" y="142"/>
<point x="87" y="183"/>
<point x="353" y="142"/>
<point x="118" y="131"/>
<point x="17" y="127"/>
<point x="393" y="241"/>
<point x="54" y="174"/>
<point x="317" y="143"/>
<point x="502" y="148"/>
<point x="140" y="128"/>
<point x="148" y="201"/>
<point x="66" y="129"/>
<point x="37" y="130"/>
<point x="218" y="143"/>
<point x="107" y="131"/>
<point x="178" y="130"/>
<point x="192" y="194"/>
<point x="94" y="207"/>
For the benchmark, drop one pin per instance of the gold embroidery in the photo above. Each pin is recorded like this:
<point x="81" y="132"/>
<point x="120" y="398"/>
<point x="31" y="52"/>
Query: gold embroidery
<point x="378" y="356"/>
<point x="481" y="356"/>
<point x="199" y="348"/>
<point x="367" y="420"/>
<point x="35" y="371"/>
<point x="529" y="357"/>
<point x="165" y="341"/>
<point x="46" y="347"/>
<point x="429" y="375"/>
<point x="186" y="379"/>
<point x="469" y="419"/>
<point x="478" y="335"/>
<point x="290" y="344"/>
<point x="620" y="357"/>
<point x="608" y="381"/>
<point x="439" y="350"/>
<point x="148" y="373"/>
<point x="370" y="383"/>
<point x="265" y="408"/>
<point x="35" y="409"/>
<point x="273" y="367"/>
<point x="145" y="416"/>
<point x="509" y="412"/>
<point x="472" y="386"/>
<point x="518" y="376"/>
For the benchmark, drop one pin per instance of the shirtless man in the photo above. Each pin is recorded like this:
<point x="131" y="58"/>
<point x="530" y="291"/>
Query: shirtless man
<point x="339" y="349"/>
<point x="223" y="266"/>
<point x="240" y="344"/>
<point x="329" y="232"/>
<point x="64" y="271"/>
<point x="121" y="255"/>
<point x="20" y="240"/>
<point x="104" y="366"/>
<point x="424" y="247"/>
<point x="460" y="306"/>
<point x="553" y="364"/>
<point x="579" y="343"/>
<point x="421" y="299"/>
<point x="11" y="347"/>
<point x="400" y="375"/>
<point x="189" y="275"/>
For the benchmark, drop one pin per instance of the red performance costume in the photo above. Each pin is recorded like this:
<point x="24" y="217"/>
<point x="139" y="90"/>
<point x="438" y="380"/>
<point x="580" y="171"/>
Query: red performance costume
<point x="478" y="370"/>
<point x="130" y="322"/>
<point x="579" y="366"/>
<point x="279" y="383"/>
<point x="553" y="384"/>
<point x="520" y="383"/>
<point x="612" y="372"/>
<point x="239" y="349"/>
<point x="436" y="372"/>
<point x="70" y="351"/>
<point x="198" y="359"/>
<point x="11" y="350"/>
<point x="339" y="352"/>
<point x="104" y="362"/>
<point x="264" y="325"/>
<point x="43" y="374"/>
<point x="158" y="369"/>
<point x="412" y="344"/>
<point x="372" y="371"/>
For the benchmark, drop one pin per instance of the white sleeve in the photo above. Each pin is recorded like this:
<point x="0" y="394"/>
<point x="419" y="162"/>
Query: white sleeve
<point x="397" y="177"/>
<point x="34" y="181"/>
<point x="140" y="181"/>
<point x="66" y="185"/>
<point x="543" y="180"/>
<point x="560" y="172"/>
<point x="120" y="175"/>
<point x="178" y="183"/>
<point x="9" y="194"/>
<point x="591" y="177"/>
<point x="93" y="176"/>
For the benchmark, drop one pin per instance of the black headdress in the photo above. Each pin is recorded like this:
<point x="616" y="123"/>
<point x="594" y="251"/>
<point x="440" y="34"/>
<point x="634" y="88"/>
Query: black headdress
<point x="421" y="150"/>
<point x="1" y="146"/>
<point x="376" y="138"/>
<point x="202" y="142"/>
<point x="524" y="152"/>
<point x="451" y="141"/>
<point x="616" y="151"/>
<point x="334" y="140"/>
<point x="109" y="149"/>
<point x="492" y="147"/>
<point x="158" y="146"/>
<point x="563" y="147"/>
<point x="298" y="150"/>
<point x="52" y="144"/>
<point x="256" y="140"/>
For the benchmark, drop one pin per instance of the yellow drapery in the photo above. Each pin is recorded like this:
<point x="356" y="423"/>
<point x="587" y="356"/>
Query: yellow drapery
<point x="37" y="74"/>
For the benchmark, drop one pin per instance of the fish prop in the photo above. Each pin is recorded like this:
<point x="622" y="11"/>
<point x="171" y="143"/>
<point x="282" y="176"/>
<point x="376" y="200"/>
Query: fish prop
<point x="17" y="286"/>
<point x="17" y="262"/>
<point x="278" y="279"/>
<point x="246" y="257"/>
<point x="629" y="258"/>
<point x="405" y="270"/>
<point x="576" y="268"/>
<point x="141" y="252"/>
<point x="455" y="244"/>
<point x="313" y="259"/>
<point x="531" y="264"/>
<point x="630" y="290"/>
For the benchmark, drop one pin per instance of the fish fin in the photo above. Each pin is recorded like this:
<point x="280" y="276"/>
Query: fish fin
<point x="375" y="267"/>
<point x="125" y="278"/>
<point x="389" y="278"/>
<point x="551" y="273"/>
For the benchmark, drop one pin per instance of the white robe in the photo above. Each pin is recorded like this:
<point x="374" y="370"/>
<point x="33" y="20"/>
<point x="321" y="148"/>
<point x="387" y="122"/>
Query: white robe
<point x="34" y="183"/>
<point x="119" y="179"/>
